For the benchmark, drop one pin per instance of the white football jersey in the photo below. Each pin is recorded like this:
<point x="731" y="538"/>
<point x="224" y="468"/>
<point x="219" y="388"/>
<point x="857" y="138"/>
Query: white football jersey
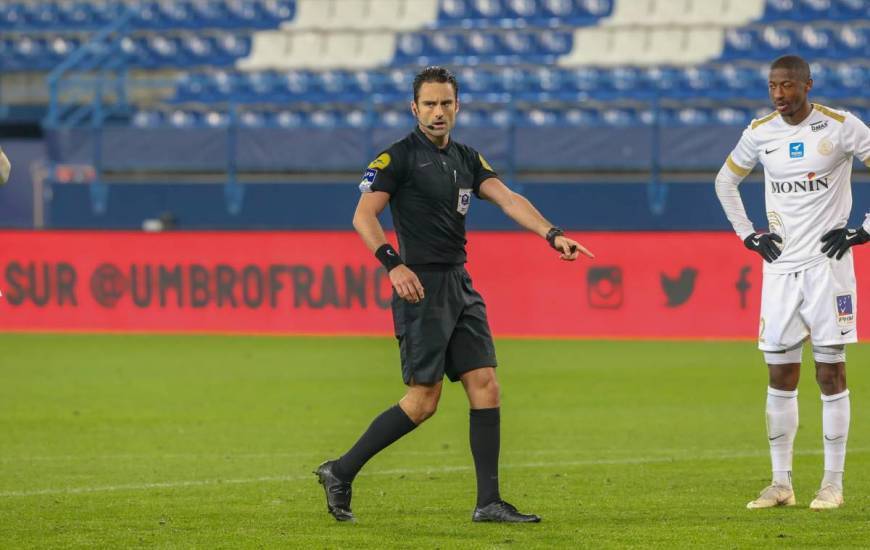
<point x="807" y="178"/>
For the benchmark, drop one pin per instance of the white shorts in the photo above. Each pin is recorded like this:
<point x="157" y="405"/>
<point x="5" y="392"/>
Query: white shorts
<point x="820" y="301"/>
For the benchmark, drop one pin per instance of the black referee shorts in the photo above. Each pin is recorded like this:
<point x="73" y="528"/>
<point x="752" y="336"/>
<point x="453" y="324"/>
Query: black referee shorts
<point x="447" y="332"/>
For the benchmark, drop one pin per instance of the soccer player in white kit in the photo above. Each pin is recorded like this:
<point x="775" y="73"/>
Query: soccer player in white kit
<point x="808" y="285"/>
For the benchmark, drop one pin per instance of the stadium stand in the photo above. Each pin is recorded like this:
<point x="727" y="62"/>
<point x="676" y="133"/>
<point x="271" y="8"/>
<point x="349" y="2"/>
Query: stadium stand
<point x="321" y="64"/>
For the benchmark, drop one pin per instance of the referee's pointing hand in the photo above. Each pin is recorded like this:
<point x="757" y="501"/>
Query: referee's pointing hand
<point x="570" y="248"/>
<point x="406" y="283"/>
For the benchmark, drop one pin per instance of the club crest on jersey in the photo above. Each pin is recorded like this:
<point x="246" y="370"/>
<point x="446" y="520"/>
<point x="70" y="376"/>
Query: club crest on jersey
<point x="464" y="201"/>
<point x="845" y="311"/>
<point x="825" y="147"/>
<point x="796" y="150"/>
<point x="365" y="186"/>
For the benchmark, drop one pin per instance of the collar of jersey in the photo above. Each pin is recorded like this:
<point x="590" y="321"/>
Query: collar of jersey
<point x="422" y="137"/>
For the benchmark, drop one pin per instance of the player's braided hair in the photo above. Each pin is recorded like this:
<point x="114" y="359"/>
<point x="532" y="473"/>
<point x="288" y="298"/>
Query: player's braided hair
<point x="435" y="74"/>
<point x="795" y="64"/>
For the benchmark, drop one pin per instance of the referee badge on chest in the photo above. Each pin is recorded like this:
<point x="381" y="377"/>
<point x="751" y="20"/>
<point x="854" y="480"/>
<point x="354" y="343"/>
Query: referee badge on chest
<point x="464" y="201"/>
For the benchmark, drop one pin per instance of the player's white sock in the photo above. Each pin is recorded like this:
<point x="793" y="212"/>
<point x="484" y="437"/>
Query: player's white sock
<point x="835" y="427"/>
<point x="782" y="423"/>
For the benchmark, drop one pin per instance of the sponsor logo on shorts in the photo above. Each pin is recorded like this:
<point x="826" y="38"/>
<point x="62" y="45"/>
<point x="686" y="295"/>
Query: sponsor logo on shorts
<point x="796" y="150"/>
<point x="845" y="311"/>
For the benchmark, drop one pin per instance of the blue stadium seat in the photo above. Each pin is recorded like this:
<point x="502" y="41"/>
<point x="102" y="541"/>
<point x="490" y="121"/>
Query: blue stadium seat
<point x="554" y="43"/>
<point x="395" y="118"/>
<point x="814" y="10"/>
<point x="182" y="118"/>
<point x="454" y="11"/>
<point x="322" y="118"/>
<point x="851" y="10"/>
<point x="775" y="41"/>
<point x="409" y="46"/>
<point x="816" y="43"/>
<point x="294" y="84"/>
<point x="487" y="9"/>
<point x="481" y="43"/>
<point x="741" y="81"/>
<point x="499" y="118"/>
<point x="663" y="81"/>
<point x="287" y="119"/>
<point x="781" y="10"/>
<point x="580" y="117"/>
<point x="519" y="44"/>
<point x="731" y="116"/>
<point x="850" y="79"/>
<point x="355" y="118"/>
<point x="366" y="82"/>
<point x="471" y="118"/>
<point x="741" y="44"/>
<point x="620" y="82"/>
<point x="690" y="116"/>
<point x="852" y="41"/>
<point x="522" y="9"/>
<point x="253" y="118"/>
<point x="698" y="81"/>
<point x="147" y="119"/>
<point x="215" y="119"/>
<point x="256" y="87"/>
<point x="537" y="117"/>
<point x="584" y="79"/>
<point x="618" y="117"/>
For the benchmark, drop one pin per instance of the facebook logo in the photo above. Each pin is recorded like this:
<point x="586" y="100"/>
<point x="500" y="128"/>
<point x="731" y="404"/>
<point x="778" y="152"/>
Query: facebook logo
<point x="796" y="150"/>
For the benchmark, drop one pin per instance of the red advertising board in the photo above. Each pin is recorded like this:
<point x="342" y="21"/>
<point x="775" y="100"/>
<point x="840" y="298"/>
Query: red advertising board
<point x="640" y="285"/>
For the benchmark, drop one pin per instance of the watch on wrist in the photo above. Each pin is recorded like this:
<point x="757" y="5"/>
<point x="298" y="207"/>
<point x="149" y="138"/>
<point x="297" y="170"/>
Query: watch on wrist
<point x="552" y="234"/>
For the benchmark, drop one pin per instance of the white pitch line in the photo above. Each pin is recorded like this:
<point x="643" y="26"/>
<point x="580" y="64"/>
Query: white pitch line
<point x="399" y="471"/>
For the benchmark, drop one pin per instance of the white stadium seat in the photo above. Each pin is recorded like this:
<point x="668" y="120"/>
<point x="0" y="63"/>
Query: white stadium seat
<point x="630" y="12"/>
<point x="311" y="14"/>
<point x="742" y="12"/>
<point x="268" y="49"/>
<point x="590" y="45"/>
<point x="306" y="50"/>
<point x="666" y="46"/>
<point x="704" y="44"/>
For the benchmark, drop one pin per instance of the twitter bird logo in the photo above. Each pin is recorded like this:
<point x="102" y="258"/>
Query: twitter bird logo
<point x="679" y="289"/>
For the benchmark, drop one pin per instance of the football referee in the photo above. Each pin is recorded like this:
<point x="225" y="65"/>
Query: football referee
<point x="440" y="319"/>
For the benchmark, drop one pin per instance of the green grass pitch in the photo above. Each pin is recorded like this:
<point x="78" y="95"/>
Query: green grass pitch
<point x="117" y="441"/>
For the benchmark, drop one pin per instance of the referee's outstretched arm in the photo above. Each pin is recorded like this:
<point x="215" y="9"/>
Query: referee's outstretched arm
<point x="519" y="209"/>
<point x="365" y="221"/>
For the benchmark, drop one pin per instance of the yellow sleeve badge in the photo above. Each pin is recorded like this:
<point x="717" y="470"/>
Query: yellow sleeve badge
<point x="381" y="162"/>
<point x="484" y="163"/>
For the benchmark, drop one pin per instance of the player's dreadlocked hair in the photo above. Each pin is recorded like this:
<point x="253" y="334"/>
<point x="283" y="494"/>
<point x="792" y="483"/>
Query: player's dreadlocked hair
<point x="435" y="74"/>
<point x="795" y="64"/>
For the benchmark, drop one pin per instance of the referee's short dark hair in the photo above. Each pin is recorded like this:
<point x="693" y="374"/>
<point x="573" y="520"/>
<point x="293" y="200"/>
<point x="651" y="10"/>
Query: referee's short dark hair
<point x="435" y="74"/>
<point x="795" y="64"/>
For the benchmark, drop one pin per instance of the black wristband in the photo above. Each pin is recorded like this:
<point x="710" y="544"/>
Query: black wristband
<point x="388" y="257"/>
<point x="552" y="234"/>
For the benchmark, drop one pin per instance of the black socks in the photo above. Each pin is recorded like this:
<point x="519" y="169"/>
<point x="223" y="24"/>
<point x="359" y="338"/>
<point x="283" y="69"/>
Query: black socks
<point x="485" y="440"/>
<point x="384" y="430"/>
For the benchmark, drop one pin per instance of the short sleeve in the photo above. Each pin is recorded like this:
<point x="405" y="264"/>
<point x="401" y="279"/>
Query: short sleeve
<point x="386" y="173"/>
<point x="856" y="138"/>
<point x="744" y="156"/>
<point x="481" y="170"/>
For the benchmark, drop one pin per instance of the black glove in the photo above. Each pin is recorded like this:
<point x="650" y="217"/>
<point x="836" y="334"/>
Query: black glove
<point x="838" y="241"/>
<point x="763" y="243"/>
